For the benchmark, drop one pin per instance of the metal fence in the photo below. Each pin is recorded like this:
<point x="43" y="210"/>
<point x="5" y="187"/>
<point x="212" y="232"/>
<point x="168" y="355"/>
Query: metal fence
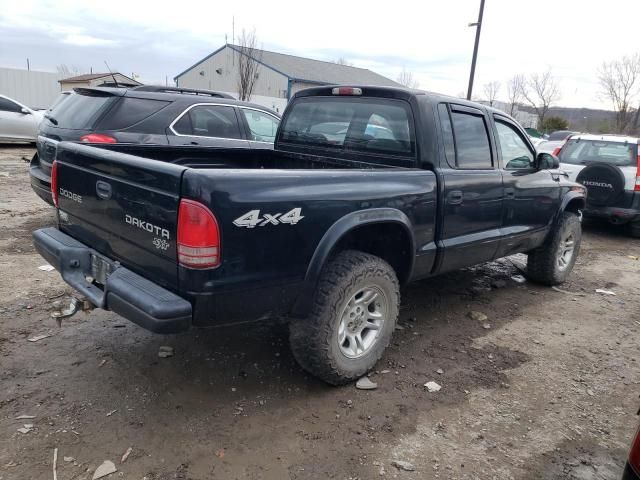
<point x="34" y="89"/>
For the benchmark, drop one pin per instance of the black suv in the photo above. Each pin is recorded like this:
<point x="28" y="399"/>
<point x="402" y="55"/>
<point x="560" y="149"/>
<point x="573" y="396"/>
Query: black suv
<point x="149" y="115"/>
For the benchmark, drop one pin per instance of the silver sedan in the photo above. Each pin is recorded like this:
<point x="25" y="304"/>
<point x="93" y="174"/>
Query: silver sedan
<point x="18" y="123"/>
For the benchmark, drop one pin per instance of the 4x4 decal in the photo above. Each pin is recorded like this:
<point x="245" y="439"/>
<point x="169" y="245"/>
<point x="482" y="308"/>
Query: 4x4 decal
<point x="252" y="218"/>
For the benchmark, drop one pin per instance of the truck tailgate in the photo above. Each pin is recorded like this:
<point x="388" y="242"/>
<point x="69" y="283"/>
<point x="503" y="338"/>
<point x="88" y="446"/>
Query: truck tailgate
<point x="122" y="206"/>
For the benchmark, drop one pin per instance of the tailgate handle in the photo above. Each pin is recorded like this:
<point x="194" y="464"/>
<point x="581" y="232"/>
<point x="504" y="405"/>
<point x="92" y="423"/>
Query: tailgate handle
<point x="103" y="190"/>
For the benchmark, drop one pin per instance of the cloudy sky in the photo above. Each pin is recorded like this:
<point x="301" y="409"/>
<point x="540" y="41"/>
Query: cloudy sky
<point x="429" y="38"/>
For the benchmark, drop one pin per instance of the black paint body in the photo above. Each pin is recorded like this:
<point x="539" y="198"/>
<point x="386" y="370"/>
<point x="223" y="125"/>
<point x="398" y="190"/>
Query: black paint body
<point x="399" y="209"/>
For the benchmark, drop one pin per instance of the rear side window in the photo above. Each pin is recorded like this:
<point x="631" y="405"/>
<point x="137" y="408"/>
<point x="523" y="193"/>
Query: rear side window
<point x="262" y="126"/>
<point x="583" y="152"/>
<point x="81" y="110"/>
<point x="351" y="124"/>
<point x="471" y="140"/>
<point x="209" y="121"/>
<point x="129" y="111"/>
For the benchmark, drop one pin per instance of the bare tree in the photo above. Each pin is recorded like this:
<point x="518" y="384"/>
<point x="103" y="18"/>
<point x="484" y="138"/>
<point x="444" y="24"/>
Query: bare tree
<point x="343" y="61"/>
<point x="68" y="70"/>
<point x="406" y="79"/>
<point x="249" y="57"/>
<point x="541" y="91"/>
<point x="515" y="89"/>
<point x="491" y="90"/>
<point x="620" y="83"/>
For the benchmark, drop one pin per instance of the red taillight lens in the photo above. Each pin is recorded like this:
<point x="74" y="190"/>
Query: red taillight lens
<point x="97" y="138"/>
<point x="634" y="453"/>
<point x="346" y="91"/>
<point x="198" y="236"/>
<point x="54" y="182"/>
<point x="556" y="151"/>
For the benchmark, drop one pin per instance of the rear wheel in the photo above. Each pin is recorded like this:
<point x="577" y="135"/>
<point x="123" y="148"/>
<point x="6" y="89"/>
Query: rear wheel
<point x="634" y="229"/>
<point x="352" y="319"/>
<point x="552" y="263"/>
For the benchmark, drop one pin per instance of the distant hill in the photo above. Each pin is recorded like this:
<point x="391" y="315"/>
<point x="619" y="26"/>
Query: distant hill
<point x="582" y="119"/>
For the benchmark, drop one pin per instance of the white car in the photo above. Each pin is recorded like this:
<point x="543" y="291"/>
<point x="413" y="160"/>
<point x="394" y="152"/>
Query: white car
<point x="18" y="123"/>
<point x="609" y="166"/>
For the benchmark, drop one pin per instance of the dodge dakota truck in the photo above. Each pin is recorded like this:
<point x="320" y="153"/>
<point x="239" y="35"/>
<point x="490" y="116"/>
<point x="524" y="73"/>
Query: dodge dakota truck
<point x="368" y="188"/>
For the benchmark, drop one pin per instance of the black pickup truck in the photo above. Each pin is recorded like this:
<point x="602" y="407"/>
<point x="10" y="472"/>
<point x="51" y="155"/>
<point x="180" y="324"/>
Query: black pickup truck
<point x="367" y="189"/>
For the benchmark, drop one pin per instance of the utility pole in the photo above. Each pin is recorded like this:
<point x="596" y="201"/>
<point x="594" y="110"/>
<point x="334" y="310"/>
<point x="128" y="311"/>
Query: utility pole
<point x="28" y="65"/>
<point x="478" y="26"/>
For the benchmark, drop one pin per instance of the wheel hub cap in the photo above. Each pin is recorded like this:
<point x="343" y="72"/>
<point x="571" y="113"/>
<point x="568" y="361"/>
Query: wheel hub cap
<point x="362" y="319"/>
<point x="565" y="252"/>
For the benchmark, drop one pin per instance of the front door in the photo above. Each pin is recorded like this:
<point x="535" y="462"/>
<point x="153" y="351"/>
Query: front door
<point x="472" y="189"/>
<point x="532" y="196"/>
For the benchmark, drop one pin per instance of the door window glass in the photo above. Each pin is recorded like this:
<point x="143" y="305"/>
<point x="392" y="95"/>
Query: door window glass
<point x="515" y="153"/>
<point x="9" y="106"/>
<point x="471" y="140"/>
<point x="262" y="126"/>
<point x="209" y="121"/>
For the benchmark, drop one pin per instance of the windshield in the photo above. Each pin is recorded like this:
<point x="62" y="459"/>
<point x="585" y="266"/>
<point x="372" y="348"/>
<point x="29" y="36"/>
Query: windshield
<point x="351" y="124"/>
<point x="582" y="152"/>
<point x="80" y="110"/>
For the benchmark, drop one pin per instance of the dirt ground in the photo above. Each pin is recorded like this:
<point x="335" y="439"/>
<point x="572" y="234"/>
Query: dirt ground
<point x="548" y="391"/>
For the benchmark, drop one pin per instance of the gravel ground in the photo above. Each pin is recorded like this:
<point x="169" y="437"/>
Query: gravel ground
<point x="549" y="390"/>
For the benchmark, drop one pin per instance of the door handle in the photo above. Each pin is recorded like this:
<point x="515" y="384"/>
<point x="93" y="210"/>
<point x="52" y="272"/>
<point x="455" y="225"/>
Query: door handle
<point x="509" y="193"/>
<point x="455" y="197"/>
<point x="194" y="143"/>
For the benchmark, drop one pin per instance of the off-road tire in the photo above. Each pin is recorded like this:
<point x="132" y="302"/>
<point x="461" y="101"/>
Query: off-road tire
<point x="542" y="264"/>
<point x="314" y="339"/>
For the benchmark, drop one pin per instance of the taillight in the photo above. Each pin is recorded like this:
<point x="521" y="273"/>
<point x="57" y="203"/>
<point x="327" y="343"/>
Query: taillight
<point x="556" y="151"/>
<point x="634" y="453"/>
<point x="198" y="236"/>
<point x="346" y="91"/>
<point x="97" y="138"/>
<point x="637" y="186"/>
<point x="54" y="182"/>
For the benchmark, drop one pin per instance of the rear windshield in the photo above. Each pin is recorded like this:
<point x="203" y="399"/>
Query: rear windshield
<point x="351" y="124"/>
<point x="129" y="111"/>
<point x="80" y="110"/>
<point x="583" y="152"/>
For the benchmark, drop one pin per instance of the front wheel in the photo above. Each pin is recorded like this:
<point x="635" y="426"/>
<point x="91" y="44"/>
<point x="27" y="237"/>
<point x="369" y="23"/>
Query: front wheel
<point x="551" y="263"/>
<point x="352" y="318"/>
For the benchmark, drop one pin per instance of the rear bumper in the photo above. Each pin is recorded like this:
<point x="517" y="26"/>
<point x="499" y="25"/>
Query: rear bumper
<point x="125" y="292"/>
<point x="613" y="214"/>
<point x="40" y="180"/>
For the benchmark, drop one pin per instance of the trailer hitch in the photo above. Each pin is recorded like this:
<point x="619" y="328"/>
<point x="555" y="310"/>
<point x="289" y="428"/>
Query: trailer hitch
<point x="75" y="305"/>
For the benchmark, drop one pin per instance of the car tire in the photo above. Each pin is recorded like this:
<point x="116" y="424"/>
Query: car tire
<point x="337" y="341"/>
<point x="551" y="263"/>
<point x="634" y="229"/>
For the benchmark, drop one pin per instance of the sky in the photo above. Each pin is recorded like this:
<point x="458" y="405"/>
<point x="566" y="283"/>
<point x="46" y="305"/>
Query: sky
<point x="429" y="38"/>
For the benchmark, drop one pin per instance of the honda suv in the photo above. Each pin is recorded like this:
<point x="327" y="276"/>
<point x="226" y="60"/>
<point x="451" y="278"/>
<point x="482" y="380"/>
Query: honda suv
<point x="149" y="115"/>
<point x="609" y="166"/>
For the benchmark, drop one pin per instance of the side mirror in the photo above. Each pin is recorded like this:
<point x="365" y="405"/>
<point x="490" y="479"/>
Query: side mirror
<point x="546" y="161"/>
<point x="26" y="111"/>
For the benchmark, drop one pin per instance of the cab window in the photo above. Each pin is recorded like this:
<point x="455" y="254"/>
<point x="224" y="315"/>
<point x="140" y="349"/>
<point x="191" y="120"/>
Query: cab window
<point x="516" y="155"/>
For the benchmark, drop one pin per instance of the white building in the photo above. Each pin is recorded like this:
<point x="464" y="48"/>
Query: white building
<point x="279" y="75"/>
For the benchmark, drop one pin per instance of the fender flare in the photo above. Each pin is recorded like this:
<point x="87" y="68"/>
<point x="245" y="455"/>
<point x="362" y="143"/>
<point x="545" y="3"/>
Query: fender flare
<point x="331" y="238"/>
<point x="568" y="198"/>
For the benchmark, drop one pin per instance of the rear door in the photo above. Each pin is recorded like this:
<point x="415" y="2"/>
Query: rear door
<point x="472" y="190"/>
<point x="209" y="125"/>
<point x="123" y="206"/>
<point x="607" y="167"/>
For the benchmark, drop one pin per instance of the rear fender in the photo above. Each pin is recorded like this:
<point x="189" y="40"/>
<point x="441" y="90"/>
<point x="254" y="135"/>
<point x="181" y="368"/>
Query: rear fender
<point x="333" y="236"/>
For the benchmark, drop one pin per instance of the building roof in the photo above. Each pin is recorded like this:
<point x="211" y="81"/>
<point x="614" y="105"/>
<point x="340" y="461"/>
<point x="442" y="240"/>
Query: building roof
<point x="309" y="70"/>
<point x="93" y="76"/>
